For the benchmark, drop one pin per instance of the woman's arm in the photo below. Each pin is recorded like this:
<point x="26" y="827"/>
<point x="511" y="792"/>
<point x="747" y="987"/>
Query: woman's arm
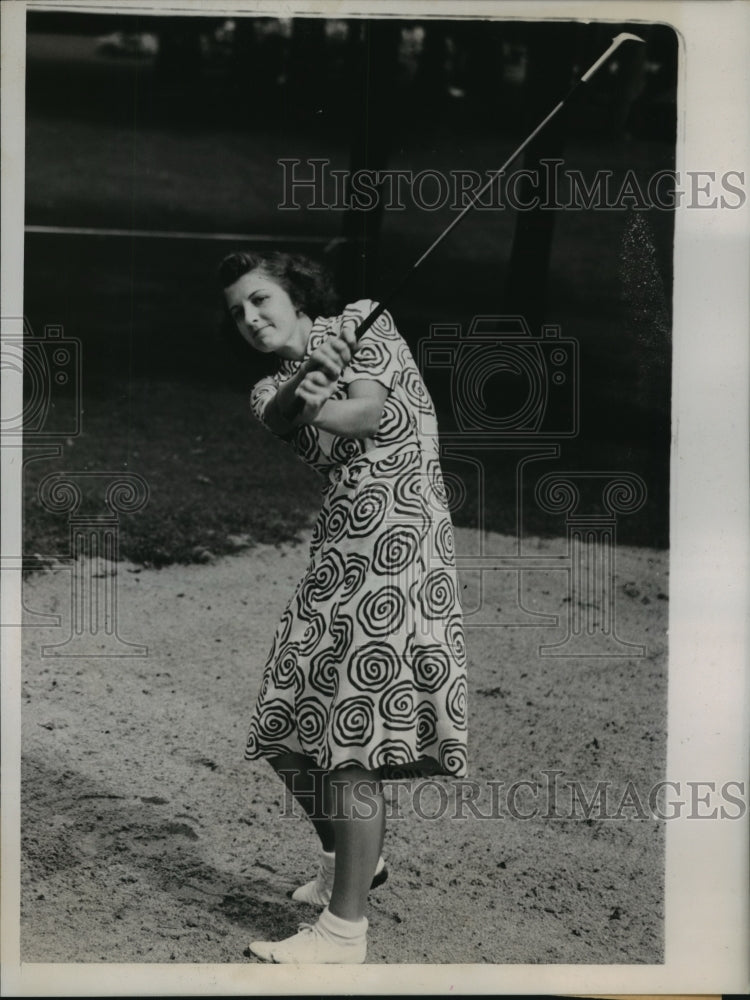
<point x="358" y="416"/>
<point x="313" y="383"/>
<point x="276" y="413"/>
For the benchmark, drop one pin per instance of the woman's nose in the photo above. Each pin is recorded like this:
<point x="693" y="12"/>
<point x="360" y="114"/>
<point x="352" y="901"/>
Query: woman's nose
<point x="251" y="314"/>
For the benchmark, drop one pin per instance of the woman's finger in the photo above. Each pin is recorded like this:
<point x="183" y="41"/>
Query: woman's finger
<point x="328" y="363"/>
<point x="348" y="333"/>
<point x="335" y="350"/>
<point x="317" y="386"/>
<point x="328" y="349"/>
<point x="310" y="394"/>
<point x="339" y="349"/>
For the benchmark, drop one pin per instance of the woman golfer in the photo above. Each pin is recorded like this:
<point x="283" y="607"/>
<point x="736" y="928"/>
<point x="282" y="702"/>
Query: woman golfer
<point x="365" y="680"/>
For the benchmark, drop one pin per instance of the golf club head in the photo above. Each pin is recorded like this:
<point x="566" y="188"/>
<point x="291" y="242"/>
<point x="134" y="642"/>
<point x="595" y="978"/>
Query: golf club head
<point x="625" y="36"/>
<point x="617" y="41"/>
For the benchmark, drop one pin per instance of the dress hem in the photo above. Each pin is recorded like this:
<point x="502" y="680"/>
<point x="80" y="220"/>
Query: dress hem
<point x="425" y="767"/>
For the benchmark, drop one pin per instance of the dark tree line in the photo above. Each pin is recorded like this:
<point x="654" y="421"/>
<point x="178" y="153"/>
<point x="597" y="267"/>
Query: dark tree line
<point x="377" y="81"/>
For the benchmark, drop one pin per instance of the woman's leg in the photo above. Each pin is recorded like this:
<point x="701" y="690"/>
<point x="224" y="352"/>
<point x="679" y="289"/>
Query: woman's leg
<point x="305" y="781"/>
<point x="356" y="812"/>
<point x="356" y="809"/>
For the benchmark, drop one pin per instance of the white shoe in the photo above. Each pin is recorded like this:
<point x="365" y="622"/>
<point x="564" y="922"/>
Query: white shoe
<point x="318" y="891"/>
<point x="310" y="945"/>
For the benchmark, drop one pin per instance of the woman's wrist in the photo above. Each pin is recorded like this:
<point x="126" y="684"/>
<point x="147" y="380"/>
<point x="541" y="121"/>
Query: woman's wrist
<point x="282" y="411"/>
<point x="277" y="416"/>
<point x="285" y="400"/>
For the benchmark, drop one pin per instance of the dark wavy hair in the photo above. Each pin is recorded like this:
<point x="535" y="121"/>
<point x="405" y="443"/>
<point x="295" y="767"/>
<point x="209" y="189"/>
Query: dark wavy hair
<point x="307" y="283"/>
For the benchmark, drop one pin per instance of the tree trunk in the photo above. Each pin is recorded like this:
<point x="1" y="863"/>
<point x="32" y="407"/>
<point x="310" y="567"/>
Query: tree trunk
<point x="373" y="53"/>
<point x="551" y="52"/>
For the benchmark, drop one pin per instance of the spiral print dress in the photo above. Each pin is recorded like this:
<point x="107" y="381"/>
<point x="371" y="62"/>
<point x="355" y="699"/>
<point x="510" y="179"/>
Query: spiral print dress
<point x="368" y="662"/>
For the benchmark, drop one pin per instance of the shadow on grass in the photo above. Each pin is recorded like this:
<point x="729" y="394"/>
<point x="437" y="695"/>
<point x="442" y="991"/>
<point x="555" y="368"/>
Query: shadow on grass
<point x="217" y="481"/>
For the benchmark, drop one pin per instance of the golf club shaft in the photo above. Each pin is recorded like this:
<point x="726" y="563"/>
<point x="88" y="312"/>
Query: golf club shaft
<point x="373" y="316"/>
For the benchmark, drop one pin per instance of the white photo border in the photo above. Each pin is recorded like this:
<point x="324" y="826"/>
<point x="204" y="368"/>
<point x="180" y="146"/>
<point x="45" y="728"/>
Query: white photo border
<point x="709" y="719"/>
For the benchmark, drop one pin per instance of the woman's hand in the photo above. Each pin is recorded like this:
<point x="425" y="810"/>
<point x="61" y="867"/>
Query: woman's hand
<point x="314" y="383"/>
<point x="315" y="390"/>
<point x="330" y="358"/>
<point x="323" y="368"/>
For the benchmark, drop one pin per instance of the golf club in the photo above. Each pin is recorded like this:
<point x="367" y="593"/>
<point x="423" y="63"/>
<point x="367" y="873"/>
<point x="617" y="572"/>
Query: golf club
<point x="371" y="318"/>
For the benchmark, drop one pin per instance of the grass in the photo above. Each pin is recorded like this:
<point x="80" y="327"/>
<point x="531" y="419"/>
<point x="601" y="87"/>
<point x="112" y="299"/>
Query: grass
<point x="161" y="397"/>
<point x="217" y="481"/>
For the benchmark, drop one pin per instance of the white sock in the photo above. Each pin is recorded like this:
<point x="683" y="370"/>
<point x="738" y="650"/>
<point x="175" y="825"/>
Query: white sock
<point x="336" y="928"/>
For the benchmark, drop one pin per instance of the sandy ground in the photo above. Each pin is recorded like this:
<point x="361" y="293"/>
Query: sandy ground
<point x="148" y="838"/>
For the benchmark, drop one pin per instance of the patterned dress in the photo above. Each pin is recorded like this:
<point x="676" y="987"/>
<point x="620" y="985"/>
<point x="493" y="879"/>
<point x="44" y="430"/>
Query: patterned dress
<point x="368" y="664"/>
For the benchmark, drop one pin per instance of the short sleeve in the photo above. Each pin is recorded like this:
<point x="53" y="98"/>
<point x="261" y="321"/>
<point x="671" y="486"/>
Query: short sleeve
<point x="261" y="395"/>
<point x="377" y="356"/>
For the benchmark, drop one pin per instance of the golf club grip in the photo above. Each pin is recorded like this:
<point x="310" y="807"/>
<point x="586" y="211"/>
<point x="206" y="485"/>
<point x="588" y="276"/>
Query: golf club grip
<point x="298" y="404"/>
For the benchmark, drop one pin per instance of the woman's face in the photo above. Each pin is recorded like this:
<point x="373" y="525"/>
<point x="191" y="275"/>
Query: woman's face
<point x="266" y="316"/>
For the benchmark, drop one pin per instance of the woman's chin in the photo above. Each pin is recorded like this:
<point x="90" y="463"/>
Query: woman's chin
<point x="265" y="345"/>
<point x="267" y="341"/>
